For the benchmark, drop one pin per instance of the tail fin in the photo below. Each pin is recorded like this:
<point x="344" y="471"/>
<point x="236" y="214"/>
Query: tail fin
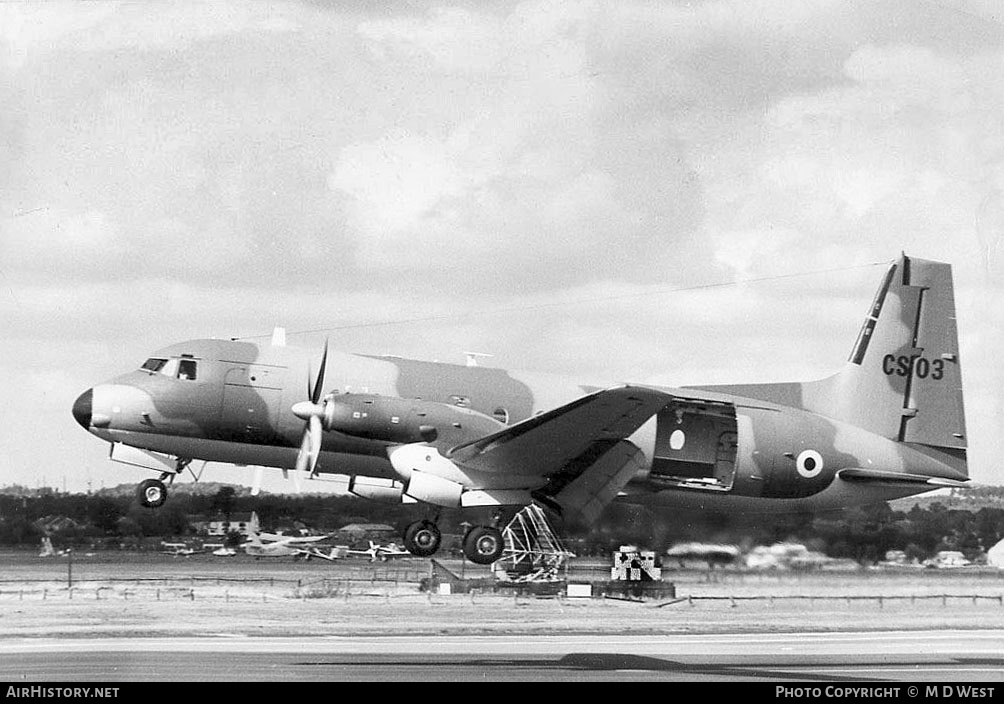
<point x="903" y="379"/>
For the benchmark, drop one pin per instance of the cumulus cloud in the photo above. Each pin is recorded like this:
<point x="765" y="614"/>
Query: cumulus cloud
<point x="217" y="168"/>
<point x="64" y="25"/>
<point x="530" y="168"/>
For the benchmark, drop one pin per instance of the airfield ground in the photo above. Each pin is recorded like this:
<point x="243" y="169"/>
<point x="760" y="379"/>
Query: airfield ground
<point x="127" y="594"/>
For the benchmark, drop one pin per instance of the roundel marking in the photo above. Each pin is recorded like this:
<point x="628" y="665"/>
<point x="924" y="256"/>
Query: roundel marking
<point x="809" y="463"/>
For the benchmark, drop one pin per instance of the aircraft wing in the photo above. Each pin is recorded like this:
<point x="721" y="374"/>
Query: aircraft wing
<point x="579" y="450"/>
<point x="855" y="474"/>
<point x="546" y="444"/>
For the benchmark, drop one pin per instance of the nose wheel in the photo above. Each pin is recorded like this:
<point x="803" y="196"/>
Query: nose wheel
<point x="151" y="493"/>
<point x="483" y="545"/>
<point x="422" y="538"/>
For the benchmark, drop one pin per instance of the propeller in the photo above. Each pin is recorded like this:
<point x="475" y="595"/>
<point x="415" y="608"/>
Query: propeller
<point x="310" y="411"/>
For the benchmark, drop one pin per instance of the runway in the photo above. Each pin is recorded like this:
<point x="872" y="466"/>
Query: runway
<point x="969" y="656"/>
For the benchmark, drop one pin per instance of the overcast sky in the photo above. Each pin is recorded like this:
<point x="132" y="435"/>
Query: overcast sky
<point x="179" y="170"/>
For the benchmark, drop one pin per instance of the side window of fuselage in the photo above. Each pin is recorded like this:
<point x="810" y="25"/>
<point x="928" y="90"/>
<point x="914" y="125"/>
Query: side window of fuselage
<point x="187" y="369"/>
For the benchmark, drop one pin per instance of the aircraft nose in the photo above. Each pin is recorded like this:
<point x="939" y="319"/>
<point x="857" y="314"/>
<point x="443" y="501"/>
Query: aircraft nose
<point x="82" y="408"/>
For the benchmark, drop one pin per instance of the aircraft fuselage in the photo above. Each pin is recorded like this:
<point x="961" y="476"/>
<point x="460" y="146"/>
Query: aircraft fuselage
<point x="229" y="401"/>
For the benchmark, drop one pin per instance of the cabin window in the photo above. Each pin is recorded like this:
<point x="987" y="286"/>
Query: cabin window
<point x="501" y="415"/>
<point x="677" y="440"/>
<point x="186" y="369"/>
<point x="153" y="365"/>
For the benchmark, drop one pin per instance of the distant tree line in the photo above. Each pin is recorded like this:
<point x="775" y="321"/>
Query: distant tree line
<point x="863" y="534"/>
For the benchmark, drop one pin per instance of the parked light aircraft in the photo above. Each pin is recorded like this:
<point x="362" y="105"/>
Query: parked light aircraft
<point x="381" y="552"/>
<point x="711" y="554"/>
<point x="48" y="551"/>
<point x="261" y="544"/>
<point x="281" y="548"/>
<point x="176" y="549"/>
<point x="889" y="424"/>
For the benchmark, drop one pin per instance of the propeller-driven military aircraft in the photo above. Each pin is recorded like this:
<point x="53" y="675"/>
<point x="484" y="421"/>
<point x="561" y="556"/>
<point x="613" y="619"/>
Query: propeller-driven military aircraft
<point x="889" y="424"/>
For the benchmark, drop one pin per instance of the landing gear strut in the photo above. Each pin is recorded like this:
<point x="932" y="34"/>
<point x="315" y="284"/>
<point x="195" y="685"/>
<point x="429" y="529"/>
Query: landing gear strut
<point x="422" y="538"/>
<point x="152" y="493"/>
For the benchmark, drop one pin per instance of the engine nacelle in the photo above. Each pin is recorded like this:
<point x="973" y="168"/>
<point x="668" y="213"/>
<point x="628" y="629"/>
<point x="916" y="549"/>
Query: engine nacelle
<point x="399" y="420"/>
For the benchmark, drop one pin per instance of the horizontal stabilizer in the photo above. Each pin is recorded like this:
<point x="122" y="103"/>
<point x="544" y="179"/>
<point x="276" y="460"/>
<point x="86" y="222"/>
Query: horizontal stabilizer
<point x="881" y="477"/>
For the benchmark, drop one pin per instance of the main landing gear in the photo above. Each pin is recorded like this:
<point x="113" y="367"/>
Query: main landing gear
<point x="422" y="538"/>
<point x="152" y="493"/>
<point x="483" y="545"/>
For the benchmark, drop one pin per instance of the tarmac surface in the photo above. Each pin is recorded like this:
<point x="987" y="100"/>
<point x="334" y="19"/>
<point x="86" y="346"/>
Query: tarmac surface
<point x="158" y="618"/>
<point x="838" y="657"/>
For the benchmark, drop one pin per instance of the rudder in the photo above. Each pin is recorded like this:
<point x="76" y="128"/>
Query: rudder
<point x="903" y="378"/>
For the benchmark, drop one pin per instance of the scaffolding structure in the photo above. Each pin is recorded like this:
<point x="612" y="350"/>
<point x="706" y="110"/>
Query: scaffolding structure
<point x="533" y="553"/>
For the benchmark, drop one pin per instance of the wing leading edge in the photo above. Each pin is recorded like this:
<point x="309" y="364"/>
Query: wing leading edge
<point x="579" y="450"/>
<point x="544" y="444"/>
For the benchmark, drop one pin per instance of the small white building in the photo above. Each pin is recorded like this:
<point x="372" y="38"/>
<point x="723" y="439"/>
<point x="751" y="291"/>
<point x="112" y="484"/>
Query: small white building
<point x="995" y="555"/>
<point x="947" y="558"/>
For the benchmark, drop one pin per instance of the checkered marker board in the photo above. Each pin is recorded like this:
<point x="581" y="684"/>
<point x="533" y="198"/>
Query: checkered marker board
<point x="635" y="566"/>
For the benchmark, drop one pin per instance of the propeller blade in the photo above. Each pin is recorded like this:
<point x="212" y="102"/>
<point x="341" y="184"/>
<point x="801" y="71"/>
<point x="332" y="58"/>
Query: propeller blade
<point x="259" y="473"/>
<point x="302" y="457"/>
<point x="315" y="432"/>
<point x="311" y="412"/>
<point x="315" y="394"/>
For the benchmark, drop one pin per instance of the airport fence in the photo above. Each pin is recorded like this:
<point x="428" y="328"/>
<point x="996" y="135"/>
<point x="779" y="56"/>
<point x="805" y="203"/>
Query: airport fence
<point x="879" y="599"/>
<point x="384" y="581"/>
<point x="224" y="589"/>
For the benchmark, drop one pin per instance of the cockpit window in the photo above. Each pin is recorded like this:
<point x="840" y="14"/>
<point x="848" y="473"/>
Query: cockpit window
<point x="153" y="365"/>
<point x="179" y="368"/>
<point x="170" y="369"/>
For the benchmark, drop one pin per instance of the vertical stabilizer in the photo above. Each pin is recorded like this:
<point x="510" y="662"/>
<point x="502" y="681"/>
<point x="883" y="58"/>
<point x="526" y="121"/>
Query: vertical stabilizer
<point x="903" y="378"/>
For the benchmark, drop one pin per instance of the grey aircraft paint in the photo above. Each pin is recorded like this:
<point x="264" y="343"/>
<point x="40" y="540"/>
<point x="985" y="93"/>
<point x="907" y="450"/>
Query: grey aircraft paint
<point x="477" y="436"/>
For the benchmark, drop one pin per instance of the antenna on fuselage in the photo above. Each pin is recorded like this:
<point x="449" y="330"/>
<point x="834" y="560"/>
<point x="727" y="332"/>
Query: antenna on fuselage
<point x="472" y="357"/>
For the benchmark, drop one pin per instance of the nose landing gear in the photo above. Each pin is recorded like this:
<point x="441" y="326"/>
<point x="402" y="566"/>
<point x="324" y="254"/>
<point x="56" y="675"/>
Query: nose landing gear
<point x="152" y="493"/>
